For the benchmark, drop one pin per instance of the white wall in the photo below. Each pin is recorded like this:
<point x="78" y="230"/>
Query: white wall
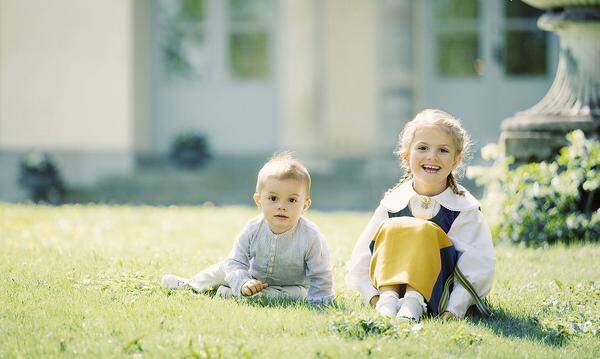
<point x="66" y="70"/>
<point x="298" y="82"/>
<point x="351" y="78"/>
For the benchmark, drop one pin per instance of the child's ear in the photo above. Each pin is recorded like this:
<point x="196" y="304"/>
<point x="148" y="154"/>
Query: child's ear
<point x="404" y="157"/>
<point x="256" y="198"/>
<point x="307" y="204"/>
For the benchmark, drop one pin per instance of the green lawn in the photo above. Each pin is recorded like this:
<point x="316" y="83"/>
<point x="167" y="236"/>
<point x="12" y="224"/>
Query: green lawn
<point x="84" y="280"/>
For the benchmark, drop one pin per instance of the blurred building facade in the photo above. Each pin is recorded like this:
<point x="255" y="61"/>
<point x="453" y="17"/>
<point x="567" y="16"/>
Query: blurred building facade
<point x="100" y="84"/>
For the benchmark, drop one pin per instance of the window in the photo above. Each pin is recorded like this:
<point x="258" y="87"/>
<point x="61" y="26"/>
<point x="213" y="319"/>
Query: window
<point x="457" y="37"/>
<point x="183" y="37"/>
<point x="525" y="46"/>
<point x="249" y="38"/>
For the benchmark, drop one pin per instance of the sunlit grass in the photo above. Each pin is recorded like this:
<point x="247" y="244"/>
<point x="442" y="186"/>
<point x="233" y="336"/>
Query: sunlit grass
<point x="84" y="280"/>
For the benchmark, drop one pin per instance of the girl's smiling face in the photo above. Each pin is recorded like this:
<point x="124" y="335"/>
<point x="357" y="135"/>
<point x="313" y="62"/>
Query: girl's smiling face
<point x="432" y="156"/>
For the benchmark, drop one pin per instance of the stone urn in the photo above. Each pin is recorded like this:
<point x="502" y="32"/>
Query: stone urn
<point x="573" y="100"/>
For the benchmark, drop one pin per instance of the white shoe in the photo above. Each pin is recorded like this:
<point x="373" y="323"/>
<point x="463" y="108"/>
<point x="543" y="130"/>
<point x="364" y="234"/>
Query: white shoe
<point x="388" y="307"/>
<point x="410" y="309"/>
<point x="171" y="281"/>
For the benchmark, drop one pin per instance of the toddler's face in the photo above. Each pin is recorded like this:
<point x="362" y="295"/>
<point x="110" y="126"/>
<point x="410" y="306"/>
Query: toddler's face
<point x="282" y="203"/>
<point x="431" y="157"/>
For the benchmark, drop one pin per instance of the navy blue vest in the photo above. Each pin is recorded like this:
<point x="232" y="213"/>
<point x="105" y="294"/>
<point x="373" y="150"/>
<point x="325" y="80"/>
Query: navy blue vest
<point x="444" y="218"/>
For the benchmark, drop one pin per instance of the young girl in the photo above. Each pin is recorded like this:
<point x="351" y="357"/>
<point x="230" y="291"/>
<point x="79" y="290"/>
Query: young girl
<point x="427" y="247"/>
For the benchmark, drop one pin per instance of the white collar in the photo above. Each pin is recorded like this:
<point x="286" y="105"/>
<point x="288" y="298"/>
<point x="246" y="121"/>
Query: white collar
<point x="398" y="198"/>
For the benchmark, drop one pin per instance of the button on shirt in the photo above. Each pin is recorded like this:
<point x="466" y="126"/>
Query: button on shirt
<point x="298" y="257"/>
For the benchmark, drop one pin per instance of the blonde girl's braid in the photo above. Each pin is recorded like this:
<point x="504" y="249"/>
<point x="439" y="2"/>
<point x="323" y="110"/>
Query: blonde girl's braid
<point x="406" y="177"/>
<point x="453" y="185"/>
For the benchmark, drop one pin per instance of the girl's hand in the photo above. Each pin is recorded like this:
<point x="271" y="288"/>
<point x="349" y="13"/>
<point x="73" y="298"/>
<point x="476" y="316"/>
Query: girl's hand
<point x="252" y="287"/>
<point x="448" y="315"/>
<point x="374" y="301"/>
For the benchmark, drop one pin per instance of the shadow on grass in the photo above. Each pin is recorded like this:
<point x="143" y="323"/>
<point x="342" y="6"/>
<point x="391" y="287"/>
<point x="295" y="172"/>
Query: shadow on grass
<point x="262" y="301"/>
<point x="507" y="324"/>
<point x="336" y="305"/>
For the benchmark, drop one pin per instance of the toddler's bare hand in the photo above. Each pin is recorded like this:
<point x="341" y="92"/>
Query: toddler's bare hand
<point x="252" y="287"/>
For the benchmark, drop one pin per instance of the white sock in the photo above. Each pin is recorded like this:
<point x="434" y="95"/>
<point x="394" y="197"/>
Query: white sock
<point x="173" y="282"/>
<point x="412" y="306"/>
<point x="387" y="305"/>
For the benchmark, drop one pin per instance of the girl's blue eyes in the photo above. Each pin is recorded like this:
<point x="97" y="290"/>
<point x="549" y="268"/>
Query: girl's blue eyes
<point x="425" y="148"/>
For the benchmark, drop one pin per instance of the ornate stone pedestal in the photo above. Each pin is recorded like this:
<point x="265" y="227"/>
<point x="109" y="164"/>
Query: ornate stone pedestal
<point x="573" y="101"/>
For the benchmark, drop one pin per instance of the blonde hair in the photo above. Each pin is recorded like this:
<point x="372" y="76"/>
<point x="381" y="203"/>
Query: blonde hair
<point x="448" y="123"/>
<point x="283" y="166"/>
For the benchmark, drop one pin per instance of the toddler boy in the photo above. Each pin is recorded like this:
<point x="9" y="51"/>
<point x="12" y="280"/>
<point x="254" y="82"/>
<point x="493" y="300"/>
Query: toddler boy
<point x="278" y="254"/>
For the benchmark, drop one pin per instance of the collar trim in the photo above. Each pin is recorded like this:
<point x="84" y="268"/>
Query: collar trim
<point x="398" y="198"/>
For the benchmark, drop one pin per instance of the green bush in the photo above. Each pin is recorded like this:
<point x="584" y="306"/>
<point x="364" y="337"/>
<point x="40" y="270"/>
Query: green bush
<point x="543" y="203"/>
<point x="190" y="150"/>
<point x="39" y="174"/>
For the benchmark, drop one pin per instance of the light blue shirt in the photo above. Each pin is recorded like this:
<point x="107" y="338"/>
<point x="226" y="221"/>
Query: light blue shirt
<point x="298" y="257"/>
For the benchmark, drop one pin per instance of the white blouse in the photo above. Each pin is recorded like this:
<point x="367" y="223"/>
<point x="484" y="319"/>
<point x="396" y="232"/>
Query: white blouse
<point x="469" y="233"/>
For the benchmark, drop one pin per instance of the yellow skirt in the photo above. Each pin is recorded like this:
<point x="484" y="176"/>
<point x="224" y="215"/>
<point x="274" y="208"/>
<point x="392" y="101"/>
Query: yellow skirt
<point x="406" y="250"/>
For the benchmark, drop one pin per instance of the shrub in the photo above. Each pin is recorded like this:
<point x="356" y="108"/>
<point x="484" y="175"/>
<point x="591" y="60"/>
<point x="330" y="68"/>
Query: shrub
<point x="40" y="176"/>
<point x="543" y="203"/>
<point x="190" y="150"/>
